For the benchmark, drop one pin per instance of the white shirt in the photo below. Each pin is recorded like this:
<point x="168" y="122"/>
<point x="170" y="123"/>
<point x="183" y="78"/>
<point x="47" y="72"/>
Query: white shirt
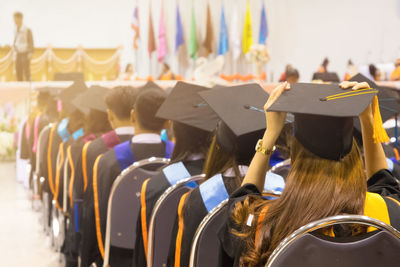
<point x="21" y="39"/>
<point x="195" y="157"/>
<point x="127" y="130"/>
<point x="147" y="138"/>
<point x="231" y="173"/>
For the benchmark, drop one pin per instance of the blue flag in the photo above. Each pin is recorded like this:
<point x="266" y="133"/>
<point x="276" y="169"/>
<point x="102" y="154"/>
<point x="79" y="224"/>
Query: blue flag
<point x="179" y="30"/>
<point x="223" y="45"/>
<point x="263" y="27"/>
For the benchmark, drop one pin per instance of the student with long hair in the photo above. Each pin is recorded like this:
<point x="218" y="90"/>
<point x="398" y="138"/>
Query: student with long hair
<point x="192" y="128"/>
<point x="226" y="163"/>
<point x="327" y="174"/>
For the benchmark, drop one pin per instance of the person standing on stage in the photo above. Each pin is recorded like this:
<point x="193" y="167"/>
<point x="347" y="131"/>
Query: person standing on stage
<point x="23" y="47"/>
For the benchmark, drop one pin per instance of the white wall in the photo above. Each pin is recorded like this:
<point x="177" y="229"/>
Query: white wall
<point x="301" y="32"/>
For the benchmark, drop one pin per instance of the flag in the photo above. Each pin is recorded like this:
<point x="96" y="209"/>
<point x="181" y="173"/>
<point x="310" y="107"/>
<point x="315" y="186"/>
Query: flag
<point x="223" y="45"/>
<point x="193" y="38"/>
<point x="162" y="42"/>
<point x="263" y="27"/>
<point x="247" y="31"/>
<point x="151" y="42"/>
<point x="208" y="41"/>
<point x="234" y="35"/>
<point x="135" y="27"/>
<point x="179" y="40"/>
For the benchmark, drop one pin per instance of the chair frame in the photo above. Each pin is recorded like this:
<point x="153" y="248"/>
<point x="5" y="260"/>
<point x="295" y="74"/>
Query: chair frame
<point x="58" y="215"/>
<point x="156" y="209"/>
<point x="36" y="191"/>
<point x="36" y="180"/>
<point x="329" y="221"/>
<point x="135" y="165"/>
<point x="206" y="220"/>
<point x="200" y="229"/>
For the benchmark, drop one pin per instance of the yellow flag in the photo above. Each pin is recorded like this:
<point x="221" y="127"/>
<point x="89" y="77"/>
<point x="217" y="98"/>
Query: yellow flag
<point x="247" y="31"/>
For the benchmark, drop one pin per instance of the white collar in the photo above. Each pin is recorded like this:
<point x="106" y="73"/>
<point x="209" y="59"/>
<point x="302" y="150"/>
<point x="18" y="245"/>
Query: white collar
<point x="231" y="173"/>
<point x="127" y="130"/>
<point x="147" y="138"/>
<point x="21" y="29"/>
<point x="196" y="156"/>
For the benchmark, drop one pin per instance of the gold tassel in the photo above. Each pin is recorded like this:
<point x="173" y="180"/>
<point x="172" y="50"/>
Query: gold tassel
<point x="380" y="134"/>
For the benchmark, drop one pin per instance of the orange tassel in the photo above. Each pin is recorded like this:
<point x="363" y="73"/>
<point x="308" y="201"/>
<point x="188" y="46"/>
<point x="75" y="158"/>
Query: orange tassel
<point x="380" y="134"/>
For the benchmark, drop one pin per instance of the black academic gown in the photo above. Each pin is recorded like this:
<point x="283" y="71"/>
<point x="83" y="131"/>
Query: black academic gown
<point x="156" y="186"/>
<point x="193" y="213"/>
<point x="108" y="170"/>
<point x="72" y="239"/>
<point x="43" y="121"/>
<point x="42" y="171"/>
<point x="382" y="183"/>
<point x="86" y="214"/>
<point x="24" y="149"/>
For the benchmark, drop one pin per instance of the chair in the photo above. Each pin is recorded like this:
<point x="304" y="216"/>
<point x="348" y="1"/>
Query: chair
<point x="44" y="133"/>
<point x="58" y="218"/>
<point x="206" y="247"/>
<point x="124" y="204"/>
<point x="162" y="221"/>
<point x="378" y="248"/>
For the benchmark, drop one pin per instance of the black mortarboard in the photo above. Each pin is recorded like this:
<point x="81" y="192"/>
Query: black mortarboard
<point x="324" y="116"/>
<point x="92" y="98"/>
<point x="149" y="85"/>
<point x="326" y="77"/>
<point x="68" y="94"/>
<point x="241" y="110"/>
<point x="389" y="101"/>
<point x="184" y="105"/>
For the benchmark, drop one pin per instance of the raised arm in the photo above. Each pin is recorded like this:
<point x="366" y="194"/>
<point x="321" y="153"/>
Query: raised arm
<point x="275" y="122"/>
<point x="375" y="159"/>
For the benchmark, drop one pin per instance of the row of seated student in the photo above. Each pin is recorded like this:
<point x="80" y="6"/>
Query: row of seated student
<point x="100" y="132"/>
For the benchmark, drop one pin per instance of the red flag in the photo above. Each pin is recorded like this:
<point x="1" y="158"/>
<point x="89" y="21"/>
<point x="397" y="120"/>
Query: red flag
<point x="151" y="42"/>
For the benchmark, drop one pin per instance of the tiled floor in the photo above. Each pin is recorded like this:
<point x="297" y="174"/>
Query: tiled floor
<point x="22" y="241"/>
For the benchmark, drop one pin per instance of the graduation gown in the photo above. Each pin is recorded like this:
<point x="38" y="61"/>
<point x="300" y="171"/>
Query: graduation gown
<point x="39" y="122"/>
<point x="83" y="190"/>
<point x="152" y="191"/>
<point x="72" y="238"/>
<point x="382" y="183"/>
<point x="107" y="167"/>
<point x="197" y="204"/>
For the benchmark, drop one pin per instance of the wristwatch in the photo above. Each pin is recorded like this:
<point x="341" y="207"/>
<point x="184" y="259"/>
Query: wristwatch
<point x="261" y="149"/>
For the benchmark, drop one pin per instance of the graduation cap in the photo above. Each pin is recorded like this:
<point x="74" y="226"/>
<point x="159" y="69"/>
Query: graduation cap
<point x="92" y="98"/>
<point x="149" y="85"/>
<point x="68" y="94"/>
<point x="326" y="77"/>
<point x="241" y="110"/>
<point x="389" y="102"/>
<point x="323" y="116"/>
<point x="184" y="105"/>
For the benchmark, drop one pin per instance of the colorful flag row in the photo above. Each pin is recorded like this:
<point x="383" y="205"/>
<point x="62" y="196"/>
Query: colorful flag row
<point x="226" y="39"/>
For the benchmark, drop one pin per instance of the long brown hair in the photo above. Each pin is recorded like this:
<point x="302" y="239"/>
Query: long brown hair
<point x="218" y="160"/>
<point x="315" y="188"/>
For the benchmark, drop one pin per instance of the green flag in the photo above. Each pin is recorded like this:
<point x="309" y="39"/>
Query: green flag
<point x="193" y="38"/>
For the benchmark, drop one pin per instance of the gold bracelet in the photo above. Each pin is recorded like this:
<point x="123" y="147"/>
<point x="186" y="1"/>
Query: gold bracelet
<point x="262" y="150"/>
